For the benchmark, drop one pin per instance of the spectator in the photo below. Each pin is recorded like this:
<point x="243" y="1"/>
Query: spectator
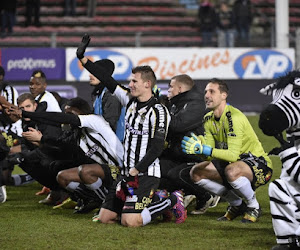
<point x="225" y="23"/>
<point x="8" y="16"/>
<point x="91" y="8"/>
<point x="33" y="8"/>
<point x="70" y="7"/>
<point x="207" y="22"/>
<point x="242" y="11"/>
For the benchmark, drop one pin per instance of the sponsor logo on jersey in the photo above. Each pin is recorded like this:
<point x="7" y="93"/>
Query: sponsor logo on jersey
<point x="145" y="202"/>
<point x="262" y="64"/>
<point x="92" y="150"/>
<point x="123" y="64"/>
<point x="230" y="124"/>
<point x="135" y="131"/>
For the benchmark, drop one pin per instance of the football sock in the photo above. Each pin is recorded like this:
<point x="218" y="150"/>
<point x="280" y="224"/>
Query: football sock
<point x="243" y="186"/>
<point x="72" y="186"/>
<point x="154" y="209"/>
<point x="80" y="190"/>
<point x="212" y="186"/>
<point x="219" y="189"/>
<point x="83" y="192"/>
<point x="232" y="198"/>
<point x="21" y="179"/>
<point x="96" y="187"/>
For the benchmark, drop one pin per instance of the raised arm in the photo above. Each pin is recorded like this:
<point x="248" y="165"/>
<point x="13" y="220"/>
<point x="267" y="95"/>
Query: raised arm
<point x="98" y="71"/>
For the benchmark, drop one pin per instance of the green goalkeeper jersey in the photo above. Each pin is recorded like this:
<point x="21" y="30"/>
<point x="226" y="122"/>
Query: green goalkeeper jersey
<point x="232" y="135"/>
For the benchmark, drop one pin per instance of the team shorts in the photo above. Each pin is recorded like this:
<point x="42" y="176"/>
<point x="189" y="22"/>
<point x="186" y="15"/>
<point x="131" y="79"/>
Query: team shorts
<point x="141" y="198"/>
<point x="111" y="173"/>
<point x="261" y="172"/>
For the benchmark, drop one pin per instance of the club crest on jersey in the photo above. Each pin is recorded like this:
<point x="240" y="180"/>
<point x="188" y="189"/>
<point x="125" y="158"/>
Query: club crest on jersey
<point x="131" y="109"/>
<point x="142" y="114"/>
<point x="143" y="117"/>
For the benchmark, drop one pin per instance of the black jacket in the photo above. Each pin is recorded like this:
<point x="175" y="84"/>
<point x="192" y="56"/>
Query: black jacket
<point x="187" y="110"/>
<point x="207" y="18"/>
<point x="53" y="130"/>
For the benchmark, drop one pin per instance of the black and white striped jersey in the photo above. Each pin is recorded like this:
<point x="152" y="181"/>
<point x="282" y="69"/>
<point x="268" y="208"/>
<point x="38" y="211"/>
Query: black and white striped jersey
<point x="146" y="129"/>
<point x="10" y="94"/>
<point x="146" y="126"/>
<point x="99" y="141"/>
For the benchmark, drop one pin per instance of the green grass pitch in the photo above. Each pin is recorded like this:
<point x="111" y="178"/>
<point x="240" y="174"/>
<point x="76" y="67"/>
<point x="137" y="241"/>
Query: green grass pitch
<point x="25" y="224"/>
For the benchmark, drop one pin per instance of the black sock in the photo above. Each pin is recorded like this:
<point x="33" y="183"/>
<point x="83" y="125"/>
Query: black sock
<point x="84" y="193"/>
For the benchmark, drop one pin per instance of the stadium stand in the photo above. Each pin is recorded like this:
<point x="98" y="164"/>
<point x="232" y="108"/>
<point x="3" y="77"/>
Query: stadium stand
<point x="130" y="23"/>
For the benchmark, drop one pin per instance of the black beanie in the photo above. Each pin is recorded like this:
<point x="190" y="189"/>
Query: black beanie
<point x="107" y="64"/>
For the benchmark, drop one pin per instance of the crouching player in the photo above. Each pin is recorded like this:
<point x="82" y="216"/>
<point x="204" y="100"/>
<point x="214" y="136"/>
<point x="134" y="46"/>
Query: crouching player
<point x="239" y="164"/>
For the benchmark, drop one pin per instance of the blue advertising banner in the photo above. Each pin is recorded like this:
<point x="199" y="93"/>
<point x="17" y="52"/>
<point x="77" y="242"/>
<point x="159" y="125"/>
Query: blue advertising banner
<point x="19" y="63"/>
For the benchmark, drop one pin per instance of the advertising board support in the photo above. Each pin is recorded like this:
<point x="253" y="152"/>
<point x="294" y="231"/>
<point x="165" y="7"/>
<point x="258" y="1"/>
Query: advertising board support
<point x="282" y="24"/>
<point x="53" y="39"/>
<point x="297" y="48"/>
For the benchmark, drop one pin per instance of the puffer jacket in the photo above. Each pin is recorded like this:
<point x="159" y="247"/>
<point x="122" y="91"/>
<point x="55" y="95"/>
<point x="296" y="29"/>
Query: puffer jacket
<point x="187" y="110"/>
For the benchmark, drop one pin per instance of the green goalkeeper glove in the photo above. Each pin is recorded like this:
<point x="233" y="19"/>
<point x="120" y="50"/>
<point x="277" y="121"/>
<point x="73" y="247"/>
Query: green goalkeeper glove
<point x="193" y="145"/>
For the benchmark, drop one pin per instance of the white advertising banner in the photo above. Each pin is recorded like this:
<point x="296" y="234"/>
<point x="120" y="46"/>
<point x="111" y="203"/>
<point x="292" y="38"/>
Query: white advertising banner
<point x="199" y="63"/>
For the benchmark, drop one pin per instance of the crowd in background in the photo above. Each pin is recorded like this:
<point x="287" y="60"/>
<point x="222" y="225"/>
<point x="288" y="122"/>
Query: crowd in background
<point x="228" y="21"/>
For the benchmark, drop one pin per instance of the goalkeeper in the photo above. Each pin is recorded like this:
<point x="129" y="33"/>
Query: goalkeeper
<point x="236" y="163"/>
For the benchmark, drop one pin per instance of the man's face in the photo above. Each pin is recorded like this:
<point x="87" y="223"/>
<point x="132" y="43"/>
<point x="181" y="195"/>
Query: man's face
<point x="137" y="85"/>
<point x="36" y="86"/>
<point x="93" y="80"/>
<point x="213" y="97"/>
<point x="28" y="106"/>
<point x="1" y="78"/>
<point x="174" y="89"/>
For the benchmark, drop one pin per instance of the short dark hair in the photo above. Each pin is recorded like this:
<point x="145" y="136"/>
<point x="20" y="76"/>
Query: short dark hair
<point x="2" y="71"/>
<point x="185" y="79"/>
<point x="81" y="104"/>
<point x="24" y="97"/>
<point x="147" y="73"/>
<point x="39" y="74"/>
<point x="222" y="85"/>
